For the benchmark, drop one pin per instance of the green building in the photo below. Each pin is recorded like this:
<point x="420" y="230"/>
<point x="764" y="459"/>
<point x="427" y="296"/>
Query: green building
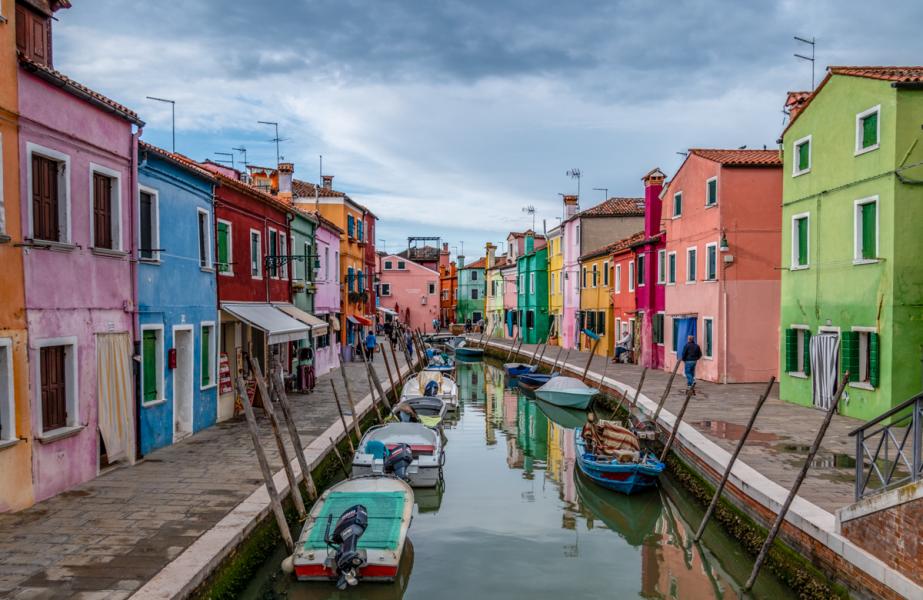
<point x="472" y="291"/>
<point x="532" y="292"/>
<point x="852" y="278"/>
<point x="303" y="226"/>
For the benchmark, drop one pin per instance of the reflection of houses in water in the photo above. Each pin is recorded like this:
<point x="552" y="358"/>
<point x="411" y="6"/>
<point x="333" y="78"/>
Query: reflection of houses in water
<point x="510" y="402"/>
<point x="531" y="434"/>
<point x="561" y="460"/>
<point x="493" y="402"/>
<point x="515" y="458"/>
<point x="470" y="380"/>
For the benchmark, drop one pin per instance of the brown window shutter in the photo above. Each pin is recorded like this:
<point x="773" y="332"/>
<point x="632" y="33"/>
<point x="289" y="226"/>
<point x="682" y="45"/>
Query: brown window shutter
<point x="102" y="211"/>
<point x="44" y="199"/>
<point x="54" y="388"/>
<point x="22" y="28"/>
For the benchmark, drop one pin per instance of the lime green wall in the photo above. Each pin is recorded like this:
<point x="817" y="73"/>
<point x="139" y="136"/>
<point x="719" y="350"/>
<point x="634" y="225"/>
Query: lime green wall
<point x="537" y="300"/>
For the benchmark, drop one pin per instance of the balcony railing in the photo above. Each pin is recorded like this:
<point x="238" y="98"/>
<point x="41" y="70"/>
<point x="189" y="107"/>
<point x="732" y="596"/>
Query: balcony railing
<point x="889" y="449"/>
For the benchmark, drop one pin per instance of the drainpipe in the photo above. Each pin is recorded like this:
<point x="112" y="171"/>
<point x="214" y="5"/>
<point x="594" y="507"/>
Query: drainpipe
<point x="133" y="272"/>
<point x="290" y="239"/>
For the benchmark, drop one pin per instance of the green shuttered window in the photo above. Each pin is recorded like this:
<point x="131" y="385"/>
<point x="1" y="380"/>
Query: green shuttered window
<point x="711" y="195"/>
<point x="868" y="230"/>
<point x="802" y="227"/>
<point x="849" y="355"/>
<point x="870" y="130"/>
<point x="874" y="359"/>
<point x="206" y="358"/>
<point x="149" y="365"/>
<point x="224" y="255"/>
<point x="675" y="334"/>
<point x="791" y="350"/>
<point x="677" y="204"/>
<point x="804" y="156"/>
<point x="657" y="324"/>
<point x="797" y="351"/>
<point x="709" y="337"/>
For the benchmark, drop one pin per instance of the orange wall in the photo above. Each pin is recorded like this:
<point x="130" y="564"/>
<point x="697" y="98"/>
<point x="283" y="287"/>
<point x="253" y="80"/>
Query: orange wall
<point x="15" y="460"/>
<point x="351" y="255"/>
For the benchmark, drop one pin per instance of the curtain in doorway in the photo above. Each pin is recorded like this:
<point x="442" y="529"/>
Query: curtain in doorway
<point x="825" y="351"/>
<point x="684" y="328"/>
<point x="115" y="397"/>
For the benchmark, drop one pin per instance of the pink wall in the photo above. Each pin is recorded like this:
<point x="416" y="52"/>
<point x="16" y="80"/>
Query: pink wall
<point x="72" y="292"/>
<point x="749" y="211"/>
<point x="410" y="291"/>
<point x="327" y="296"/>
<point x="510" y="294"/>
<point x="571" y="245"/>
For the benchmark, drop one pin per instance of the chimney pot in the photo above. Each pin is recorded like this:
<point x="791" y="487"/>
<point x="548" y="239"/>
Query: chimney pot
<point x="286" y="172"/>
<point x="328" y="182"/>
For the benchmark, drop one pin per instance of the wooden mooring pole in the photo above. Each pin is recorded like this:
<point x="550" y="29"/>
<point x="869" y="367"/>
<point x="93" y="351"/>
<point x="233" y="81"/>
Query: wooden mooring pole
<point x="534" y="354"/>
<point x="349" y="398"/>
<point x="590" y="359"/>
<point x="730" y="465"/>
<point x="634" y="401"/>
<point x="666" y="392"/>
<point x="336" y="398"/>
<point x="556" y="357"/>
<point x="679" y="420"/>
<point x="512" y="345"/>
<point x="384" y="356"/>
<point x="774" y="531"/>
<point x="542" y="355"/>
<point x="264" y="465"/>
<point x="279" y="390"/>
<point x="339" y="456"/>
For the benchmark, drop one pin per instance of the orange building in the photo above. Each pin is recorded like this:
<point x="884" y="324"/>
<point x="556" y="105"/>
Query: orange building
<point x="448" y="287"/>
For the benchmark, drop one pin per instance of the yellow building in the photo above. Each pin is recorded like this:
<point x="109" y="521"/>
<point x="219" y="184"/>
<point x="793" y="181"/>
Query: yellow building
<point x="555" y="281"/>
<point x="596" y="300"/>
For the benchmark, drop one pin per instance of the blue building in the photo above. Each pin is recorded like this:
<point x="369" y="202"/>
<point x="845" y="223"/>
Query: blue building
<point x="177" y="380"/>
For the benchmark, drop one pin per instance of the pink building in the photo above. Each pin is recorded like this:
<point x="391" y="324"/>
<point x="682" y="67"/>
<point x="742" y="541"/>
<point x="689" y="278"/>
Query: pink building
<point x="78" y="182"/>
<point x="650" y="296"/>
<point x="510" y="298"/>
<point x="410" y="290"/>
<point x="722" y="214"/>
<point x="327" y="296"/>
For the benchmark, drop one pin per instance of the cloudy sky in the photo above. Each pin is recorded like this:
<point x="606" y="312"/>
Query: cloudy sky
<point x="447" y="118"/>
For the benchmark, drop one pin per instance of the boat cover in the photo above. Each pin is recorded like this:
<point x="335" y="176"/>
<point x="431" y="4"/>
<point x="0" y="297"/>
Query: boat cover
<point x="427" y="376"/>
<point x="565" y="384"/>
<point x="386" y="509"/>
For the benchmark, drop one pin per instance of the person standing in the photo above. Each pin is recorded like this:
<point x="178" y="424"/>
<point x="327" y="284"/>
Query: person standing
<point x="370" y="343"/>
<point x="690" y="356"/>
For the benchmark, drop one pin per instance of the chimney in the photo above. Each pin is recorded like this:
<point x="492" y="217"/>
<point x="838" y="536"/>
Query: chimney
<point x="530" y="241"/>
<point x="570" y="206"/>
<point x="461" y="261"/>
<point x="489" y="256"/>
<point x="328" y="182"/>
<point x="286" y="172"/>
<point x="444" y="256"/>
<point x="653" y="206"/>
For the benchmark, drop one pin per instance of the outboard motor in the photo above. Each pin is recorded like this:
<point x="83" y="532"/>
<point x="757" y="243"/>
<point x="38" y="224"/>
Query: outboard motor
<point x="345" y="540"/>
<point x="431" y="389"/>
<point x="398" y="460"/>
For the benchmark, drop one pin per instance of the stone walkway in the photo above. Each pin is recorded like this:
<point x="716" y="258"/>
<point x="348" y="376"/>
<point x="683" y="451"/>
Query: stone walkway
<point x="778" y="445"/>
<point x="106" y="538"/>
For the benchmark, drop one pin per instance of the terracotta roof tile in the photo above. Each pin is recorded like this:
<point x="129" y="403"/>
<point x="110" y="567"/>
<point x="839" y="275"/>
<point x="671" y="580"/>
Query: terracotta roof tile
<point x="899" y="74"/>
<point x="616" y="207"/>
<point x="519" y="234"/>
<point x="254" y="192"/>
<point x="740" y="158"/>
<point x="305" y="189"/>
<point x="478" y="264"/>
<point x="78" y="89"/>
<point x="177" y="158"/>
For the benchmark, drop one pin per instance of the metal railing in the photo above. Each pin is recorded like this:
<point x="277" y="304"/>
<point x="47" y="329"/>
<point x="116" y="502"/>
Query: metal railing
<point x="882" y="449"/>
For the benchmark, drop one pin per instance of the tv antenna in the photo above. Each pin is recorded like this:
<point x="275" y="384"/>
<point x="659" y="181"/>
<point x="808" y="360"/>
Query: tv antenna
<point x="172" y="104"/>
<point x="276" y="139"/>
<point x="575" y="174"/>
<point x="243" y="151"/>
<point x="530" y="210"/>
<point x="604" y="191"/>
<point x="812" y="43"/>
<point x="225" y="160"/>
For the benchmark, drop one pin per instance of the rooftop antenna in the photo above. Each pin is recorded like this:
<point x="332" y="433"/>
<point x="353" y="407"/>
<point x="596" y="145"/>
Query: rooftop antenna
<point x="320" y="177"/>
<point x="276" y="139"/>
<point x="172" y="104"/>
<point x="243" y="151"/>
<point x="811" y="42"/>
<point x="604" y="191"/>
<point x="530" y="210"/>
<point x="231" y="154"/>
<point x="575" y="174"/>
<point x="683" y="153"/>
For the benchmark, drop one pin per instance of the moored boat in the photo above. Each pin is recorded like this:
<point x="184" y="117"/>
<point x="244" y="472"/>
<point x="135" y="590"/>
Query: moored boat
<point x="427" y="410"/>
<point x="566" y="391"/>
<point x="468" y="352"/>
<point x="421" y="445"/>
<point x="356" y="531"/>
<point x="433" y="384"/>
<point x="518" y="369"/>
<point x="535" y="380"/>
<point x="621" y="467"/>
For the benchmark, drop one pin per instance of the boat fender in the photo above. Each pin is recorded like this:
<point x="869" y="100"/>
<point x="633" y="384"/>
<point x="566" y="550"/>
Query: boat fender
<point x="288" y="565"/>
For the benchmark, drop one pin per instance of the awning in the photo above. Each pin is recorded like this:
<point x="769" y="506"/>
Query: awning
<point x="387" y="311"/>
<point x="352" y="319"/>
<point x="318" y="326"/>
<point x="278" y="326"/>
<point x="358" y="320"/>
<point x="334" y="322"/>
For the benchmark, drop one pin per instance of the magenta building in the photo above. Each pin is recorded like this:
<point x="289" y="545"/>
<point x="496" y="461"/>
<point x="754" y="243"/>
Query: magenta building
<point x="78" y="176"/>
<point x="327" y="296"/>
<point x="650" y="297"/>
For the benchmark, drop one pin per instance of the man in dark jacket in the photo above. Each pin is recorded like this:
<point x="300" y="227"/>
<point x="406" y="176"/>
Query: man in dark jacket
<point x="690" y="356"/>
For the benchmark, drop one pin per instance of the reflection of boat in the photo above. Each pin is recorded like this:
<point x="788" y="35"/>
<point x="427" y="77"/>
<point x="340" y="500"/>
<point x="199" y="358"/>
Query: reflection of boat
<point x="441" y="365"/>
<point x="429" y="499"/>
<point x="430" y="411"/>
<point x="565" y="417"/>
<point x="566" y="391"/>
<point x="468" y="352"/>
<point x="377" y="446"/>
<point x="356" y="531"/>
<point x="517" y="369"/>
<point x="433" y="384"/>
<point x="625" y="477"/>
<point x="632" y="517"/>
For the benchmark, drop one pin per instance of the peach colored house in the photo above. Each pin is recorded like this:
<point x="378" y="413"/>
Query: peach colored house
<point x="410" y="290"/>
<point x="722" y="217"/>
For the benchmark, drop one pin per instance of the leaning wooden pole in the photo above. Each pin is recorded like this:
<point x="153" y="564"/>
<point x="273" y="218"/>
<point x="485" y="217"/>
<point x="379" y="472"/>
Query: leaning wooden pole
<point x="512" y="345"/>
<point x="679" y="420"/>
<point x="339" y="456"/>
<point x="294" y="490"/>
<point x="282" y="397"/>
<point x="666" y="392"/>
<point x="352" y="404"/>
<point x="336" y="398"/>
<point x="730" y="465"/>
<point x="556" y="357"/>
<point x="372" y="389"/>
<point x="264" y="465"/>
<point x="634" y="400"/>
<point x="384" y="357"/>
<point x="534" y="354"/>
<point x="590" y="359"/>
<point x="774" y="531"/>
<point x="540" y="356"/>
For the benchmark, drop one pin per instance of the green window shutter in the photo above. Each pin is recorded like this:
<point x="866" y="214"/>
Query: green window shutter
<point x="806" y="359"/>
<point x="149" y="366"/>
<point x="791" y="349"/>
<point x="204" y="362"/>
<point x="709" y="340"/>
<point x="802" y="241"/>
<point x="874" y="359"/>
<point x="675" y="334"/>
<point x="870" y="130"/>
<point x="712" y="192"/>
<point x="223" y="247"/>
<point x="849" y="351"/>
<point x="869" y="230"/>
<point x="804" y="156"/>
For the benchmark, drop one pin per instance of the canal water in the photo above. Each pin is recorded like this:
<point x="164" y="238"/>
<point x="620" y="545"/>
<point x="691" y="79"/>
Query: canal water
<point x="516" y="519"/>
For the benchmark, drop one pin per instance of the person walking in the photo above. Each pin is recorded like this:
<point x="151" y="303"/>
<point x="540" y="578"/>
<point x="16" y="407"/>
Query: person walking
<point x="408" y="340"/>
<point x="690" y="356"/>
<point x="370" y="343"/>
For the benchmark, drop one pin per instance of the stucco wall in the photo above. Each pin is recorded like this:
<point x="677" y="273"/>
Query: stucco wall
<point x="571" y="303"/>
<point x="596" y="232"/>
<point x="409" y="287"/>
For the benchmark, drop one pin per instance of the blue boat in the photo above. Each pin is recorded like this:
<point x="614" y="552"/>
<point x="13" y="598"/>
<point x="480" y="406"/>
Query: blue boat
<point x="466" y="352"/>
<point x="625" y="478"/>
<point x="534" y="381"/>
<point x="517" y="369"/>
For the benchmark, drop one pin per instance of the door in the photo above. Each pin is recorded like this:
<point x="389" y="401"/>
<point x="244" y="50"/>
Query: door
<point x="682" y="329"/>
<point x="825" y="352"/>
<point x="183" y="381"/>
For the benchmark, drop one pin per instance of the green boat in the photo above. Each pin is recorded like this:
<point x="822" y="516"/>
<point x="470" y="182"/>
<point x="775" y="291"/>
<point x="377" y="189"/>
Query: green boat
<point x="569" y="418"/>
<point x="633" y="517"/>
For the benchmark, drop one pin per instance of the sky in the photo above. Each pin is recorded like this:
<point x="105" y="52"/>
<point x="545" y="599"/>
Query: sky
<point x="449" y="118"/>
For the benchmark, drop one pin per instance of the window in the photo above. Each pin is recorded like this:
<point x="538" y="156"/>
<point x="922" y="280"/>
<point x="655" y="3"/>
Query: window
<point x="522" y="284"/>
<point x="661" y="266"/>
<point x="606" y="274"/>
<point x="432" y="288"/>
<point x="256" y="254"/>
<point x="57" y="382"/>
<point x="866" y="230"/>
<point x="861" y="356"/>
<point x="711" y="191"/>
<point x="671" y="268"/>
<point x="310" y="261"/>
<point x="149" y="241"/>
<point x="711" y="261"/>
<point x="205" y="258"/>
<point x="657" y="328"/>
<point x="49" y="183"/>
<point x="868" y="130"/>
<point x="327" y="263"/>
<point x="601" y="322"/>
<point x="350" y="279"/>
<point x="631" y="276"/>
<point x="589" y="320"/>
<point x="388" y="265"/>
<point x="283" y="252"/>
<point x="272" y="268"/>
<point x="640" y="269"/>
<point x="551" y="288"/>
<point x="208" y="347"/>
<point x="474" y="275"/>
<point x="401" y="265"/>
<point x="690" y="265"/>
<point x="595" y="273"/>
<point x="474" y="293"/>
<point x="33" y="35"/>
<point x="708" y="337"/>
<point x="385" y="289"/>
<point x="618" y="278"/>
<point x="530" y="319"/>
<point x="360" y="277"/>
<point x="801" y="156"/>
<point x="677" y="204"/>
<point x="800" y="241"/>
<point x="105" y="189"/>
<point x="798" y="350"/>
<point x="532" y="283"/>
<point x="350" y="226"/>
<point x="152" y="377"/>
<point x="584" y="276"/>
<point x="360" y="225"/>
<point x="7" y="400"/>
<point x="224" y="248"/>
<point x="618" y="329"/>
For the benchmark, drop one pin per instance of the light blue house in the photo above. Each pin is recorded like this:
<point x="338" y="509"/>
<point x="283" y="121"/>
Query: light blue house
<point x="178" y="372"/>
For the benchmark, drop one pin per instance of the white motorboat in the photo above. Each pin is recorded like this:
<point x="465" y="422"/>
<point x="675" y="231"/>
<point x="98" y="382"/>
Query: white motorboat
<point x="380" y="446"/>
<point x="432" y="384"/>
<point x="356" y="531"/>
<point x="428" y="410"/>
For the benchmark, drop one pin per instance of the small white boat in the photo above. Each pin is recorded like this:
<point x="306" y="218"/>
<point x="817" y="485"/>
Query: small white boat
<point x="433" y="384"/>
<point x="356" y="531"/>
<point x="429" y="411"/>
<point x="566" y="391"/>
<point x="380" y="443"/>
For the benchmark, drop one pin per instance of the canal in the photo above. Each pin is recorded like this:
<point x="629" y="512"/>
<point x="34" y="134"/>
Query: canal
<point x="516" y="519"/>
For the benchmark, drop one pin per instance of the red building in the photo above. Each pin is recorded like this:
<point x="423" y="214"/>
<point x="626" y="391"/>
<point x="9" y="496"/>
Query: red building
<point x="448" y="287"/>
<point x="370" y="261"/>
<point x="624" y="290"/>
